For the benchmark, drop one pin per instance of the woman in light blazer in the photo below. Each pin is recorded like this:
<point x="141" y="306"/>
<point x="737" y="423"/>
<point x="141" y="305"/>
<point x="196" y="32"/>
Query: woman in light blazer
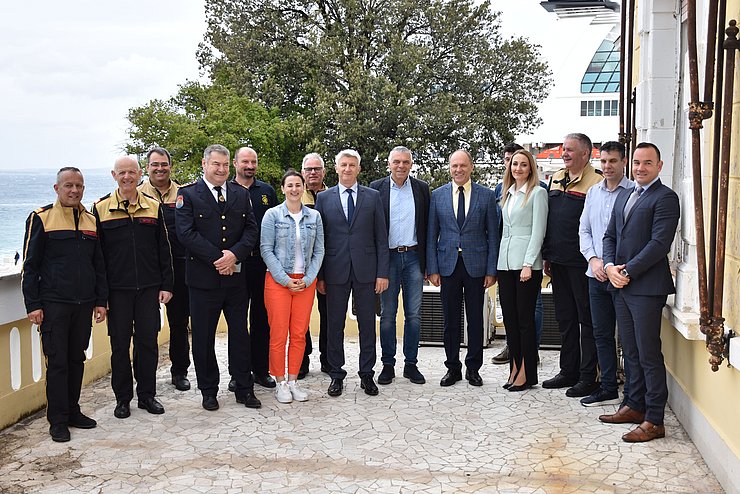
<point x="524" y="215"/>
<point x="292" y="246"/>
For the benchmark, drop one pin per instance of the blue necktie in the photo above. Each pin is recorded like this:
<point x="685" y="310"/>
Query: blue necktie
<point x="350" y="206"/>
<point x="460" y="206"/>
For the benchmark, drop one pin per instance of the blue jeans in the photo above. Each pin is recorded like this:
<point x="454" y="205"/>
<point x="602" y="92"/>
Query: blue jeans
<point x="604" y="319"/>
<point x="404" y="273"/>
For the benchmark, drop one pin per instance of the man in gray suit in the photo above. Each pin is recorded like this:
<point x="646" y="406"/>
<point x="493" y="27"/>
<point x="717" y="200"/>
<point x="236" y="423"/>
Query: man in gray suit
<point x="462" y="253"/>
<point x="356" y="260"/>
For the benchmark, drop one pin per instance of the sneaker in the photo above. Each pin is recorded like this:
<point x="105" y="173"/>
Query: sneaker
<point x="601" y="397"/>
<point x="296" y="392"/>
<point x="581" y="389"/>
<point x="282" y="392"/>
<point x="503" y="356"/>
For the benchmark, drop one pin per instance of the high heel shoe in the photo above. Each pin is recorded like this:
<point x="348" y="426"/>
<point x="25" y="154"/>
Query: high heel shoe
<point x="507" y="385"/>
<point x="519" y="387"/>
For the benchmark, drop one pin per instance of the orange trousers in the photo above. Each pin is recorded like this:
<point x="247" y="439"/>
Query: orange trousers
<point x="287" y="312"/>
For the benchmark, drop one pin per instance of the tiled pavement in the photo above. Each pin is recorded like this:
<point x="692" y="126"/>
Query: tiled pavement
<point x="410" y="438"/>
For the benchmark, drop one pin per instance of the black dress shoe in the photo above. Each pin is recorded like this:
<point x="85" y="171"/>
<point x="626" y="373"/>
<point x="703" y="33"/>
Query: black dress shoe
<point x="81" y="421"/>
<point x="122" y="410"/>
<point x="59" y="433"/>
<point x="411" y="372"/>
<point x="249" y="400"/>
<point x="232" y="384"/>
<point x="473" y="377"/>
<point x="507" y="385"/>
<point x="265" y="380"/>
<point x="559" y="381"/>
<point x="151" y="405"/>
<point x="210" y="403"/>
<point x="181" y="383"/>
<point x="451" y="378"/>
<point x="335" y="388"/>
<point x="368" y="385"/>
<point x="386" y="375"/>
<point x="519" y="387"/>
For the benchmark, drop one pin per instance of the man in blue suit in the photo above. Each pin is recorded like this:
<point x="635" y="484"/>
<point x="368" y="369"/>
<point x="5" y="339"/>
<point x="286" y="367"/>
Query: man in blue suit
<point x="216" y="225"/>
<point x="462" y="253"/>
<point x="636" y="243"/>
<point x="356" y="260"/>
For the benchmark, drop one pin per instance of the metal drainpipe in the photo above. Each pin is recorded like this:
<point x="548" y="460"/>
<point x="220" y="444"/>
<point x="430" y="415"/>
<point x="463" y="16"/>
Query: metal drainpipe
<point x="695" y="124"/>
<point x="716" y="141"/>
<point x="628" y="89"/>
<point x="717" y="344"/>
<point x="622" y="77"/>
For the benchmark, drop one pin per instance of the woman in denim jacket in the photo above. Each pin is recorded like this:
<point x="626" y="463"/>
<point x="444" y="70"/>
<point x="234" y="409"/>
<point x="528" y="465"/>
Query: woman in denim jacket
<point x="292" y="246"/>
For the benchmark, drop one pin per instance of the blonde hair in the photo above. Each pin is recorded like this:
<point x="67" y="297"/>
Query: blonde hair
<point x="532" y="181"/>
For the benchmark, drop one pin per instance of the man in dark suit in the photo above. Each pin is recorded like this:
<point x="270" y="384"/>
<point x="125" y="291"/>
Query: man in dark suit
<point x="462" y="253"/>
<point x="406" y="205"/>
<point x="215" y="224"/>
<point x="356" y="260"/>
<point x="636" y="243"/>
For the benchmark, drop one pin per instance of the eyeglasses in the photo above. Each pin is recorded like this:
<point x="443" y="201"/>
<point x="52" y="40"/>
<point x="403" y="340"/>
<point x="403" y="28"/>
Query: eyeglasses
<point x="312" y="170"/>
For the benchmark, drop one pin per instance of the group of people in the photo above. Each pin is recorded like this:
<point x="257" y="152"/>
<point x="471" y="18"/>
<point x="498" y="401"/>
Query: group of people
<point x="219" y="246"/>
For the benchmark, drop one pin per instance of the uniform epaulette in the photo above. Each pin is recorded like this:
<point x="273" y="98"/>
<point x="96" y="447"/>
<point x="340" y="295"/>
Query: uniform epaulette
<point x="43" y="208"/>
<point x="189" y="184"/>
<point x="102" y="198"/>
<point x="598" y="171"/>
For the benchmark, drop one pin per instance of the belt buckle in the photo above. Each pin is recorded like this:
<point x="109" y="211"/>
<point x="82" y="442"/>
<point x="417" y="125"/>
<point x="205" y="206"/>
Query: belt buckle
<point x="402" y="248"/>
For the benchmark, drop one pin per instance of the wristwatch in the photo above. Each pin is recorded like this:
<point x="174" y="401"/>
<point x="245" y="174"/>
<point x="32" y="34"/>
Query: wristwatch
<point x="624" y="273"/>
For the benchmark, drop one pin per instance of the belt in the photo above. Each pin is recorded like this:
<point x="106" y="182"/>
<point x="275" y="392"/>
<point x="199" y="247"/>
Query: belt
<point x="404" y="248"/>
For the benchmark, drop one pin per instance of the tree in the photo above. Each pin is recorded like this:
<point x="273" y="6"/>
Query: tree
<point x="200" y="115"/>
<point x="371" y="74"/>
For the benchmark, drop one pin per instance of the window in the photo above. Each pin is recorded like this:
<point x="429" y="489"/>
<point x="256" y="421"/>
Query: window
<point x="602" y="74"/>
<point x="599" y="108"/>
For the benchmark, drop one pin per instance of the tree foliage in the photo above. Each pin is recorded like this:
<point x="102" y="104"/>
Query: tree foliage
<point x="371" y="74"/>
<point x="200" y="115"/>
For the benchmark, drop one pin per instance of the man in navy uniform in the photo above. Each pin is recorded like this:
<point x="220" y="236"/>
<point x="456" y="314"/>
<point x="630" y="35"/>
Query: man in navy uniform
<point x="160" y="186"/>
<point x="263" y="198"/>
<point x="63" y="238"/>
<point x="216" y="225"/>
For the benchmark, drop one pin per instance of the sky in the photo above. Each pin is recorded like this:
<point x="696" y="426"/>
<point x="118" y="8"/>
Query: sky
<point x="70" y="70"/>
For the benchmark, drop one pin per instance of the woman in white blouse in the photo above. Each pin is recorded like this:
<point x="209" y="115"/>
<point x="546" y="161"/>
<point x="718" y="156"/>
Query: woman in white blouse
<point x="292" y="246"/>
<point x="524" y="218"/>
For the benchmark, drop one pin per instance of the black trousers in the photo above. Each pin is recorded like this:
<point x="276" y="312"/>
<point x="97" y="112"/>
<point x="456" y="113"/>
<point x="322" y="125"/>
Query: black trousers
<point x="205" y="311"/>
<point x="178" y="317"/>
<point x="321" y="299"/>
<point x="337" y="296"/>
<point x="453" y="288"/>
<point x="518" y="302"/>
<point x="134" y="313"/>
<point x="259" y="328"/>
<point x="65" y="334"/>
<point x="573" y="313"/>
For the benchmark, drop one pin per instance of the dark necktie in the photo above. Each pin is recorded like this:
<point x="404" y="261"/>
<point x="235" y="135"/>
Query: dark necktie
<point x="350" y="206"/>
<point x="632" y="200"/>
<point x="221" y="198"/>
<point x="460" y="206"/>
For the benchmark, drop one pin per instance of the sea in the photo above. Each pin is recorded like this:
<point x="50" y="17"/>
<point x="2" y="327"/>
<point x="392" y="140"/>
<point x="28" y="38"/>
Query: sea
<point x="23" y="191"/>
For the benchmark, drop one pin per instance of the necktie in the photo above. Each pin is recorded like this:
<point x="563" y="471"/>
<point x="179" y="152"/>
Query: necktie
<point x="460" y="206"/>
<point x="221" y="198"/>
<point x="632" y="200"/>
<point x="350" y="206"/>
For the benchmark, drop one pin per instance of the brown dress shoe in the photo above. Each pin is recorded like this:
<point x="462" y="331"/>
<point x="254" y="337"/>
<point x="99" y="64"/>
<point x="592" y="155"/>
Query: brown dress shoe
<point x="625" y="415"/>
<point x="644" y="432"/>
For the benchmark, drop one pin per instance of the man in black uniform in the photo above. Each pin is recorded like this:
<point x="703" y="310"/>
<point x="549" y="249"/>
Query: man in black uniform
<point x="263" y="198"/>
<point x="216" y="225"/>
<point x="62" y="238"/>
<point x="160" y="186"/>
<point x="138" y="262"/>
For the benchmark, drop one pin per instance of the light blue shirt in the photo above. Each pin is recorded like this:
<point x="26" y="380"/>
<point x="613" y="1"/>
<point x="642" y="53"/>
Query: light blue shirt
<point x="344" y="196"/>
<point x="402" y="216"/>
<point x="597" y="210"/>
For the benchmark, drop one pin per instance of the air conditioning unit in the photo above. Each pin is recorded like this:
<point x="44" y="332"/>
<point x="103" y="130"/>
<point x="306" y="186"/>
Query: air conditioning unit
<point x="550" y="330"/>
<point x="432" y="319"/>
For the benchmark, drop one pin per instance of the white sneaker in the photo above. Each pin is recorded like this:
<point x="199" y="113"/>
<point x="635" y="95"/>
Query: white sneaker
<point x="282" y="392"/>
<point x="296" y="391"/>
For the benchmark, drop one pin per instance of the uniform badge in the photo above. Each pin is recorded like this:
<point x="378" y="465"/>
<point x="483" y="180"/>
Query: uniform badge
<point x="265" y="200"/>
<point x="178" y="202"/>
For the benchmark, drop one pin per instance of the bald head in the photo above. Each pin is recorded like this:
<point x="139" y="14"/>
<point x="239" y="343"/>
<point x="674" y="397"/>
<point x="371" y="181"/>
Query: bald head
<point x="127" y="174"/>
<point x="245" y="164"/>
